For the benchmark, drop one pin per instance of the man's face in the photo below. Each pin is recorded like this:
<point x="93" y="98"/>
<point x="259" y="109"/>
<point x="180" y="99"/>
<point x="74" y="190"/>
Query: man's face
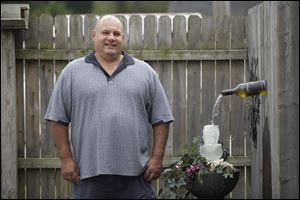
<point x="108" y="38"/>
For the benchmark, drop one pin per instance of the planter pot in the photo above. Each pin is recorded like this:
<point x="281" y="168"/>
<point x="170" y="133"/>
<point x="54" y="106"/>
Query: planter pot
<point x="214" y="185"/>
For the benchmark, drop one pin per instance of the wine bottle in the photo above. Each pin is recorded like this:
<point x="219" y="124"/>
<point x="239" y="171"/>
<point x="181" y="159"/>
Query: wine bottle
<point x="247" y="89"/>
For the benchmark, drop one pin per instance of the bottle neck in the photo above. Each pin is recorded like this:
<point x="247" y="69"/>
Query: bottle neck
<point x="227" y="92"/>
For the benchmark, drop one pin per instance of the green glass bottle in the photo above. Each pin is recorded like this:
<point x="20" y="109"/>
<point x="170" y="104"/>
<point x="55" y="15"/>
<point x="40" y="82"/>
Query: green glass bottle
<point x="247" y="89"/>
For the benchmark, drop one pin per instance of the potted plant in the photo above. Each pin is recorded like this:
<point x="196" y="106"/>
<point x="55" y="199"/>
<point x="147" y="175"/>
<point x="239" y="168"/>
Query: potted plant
<point x="192" y="175"/>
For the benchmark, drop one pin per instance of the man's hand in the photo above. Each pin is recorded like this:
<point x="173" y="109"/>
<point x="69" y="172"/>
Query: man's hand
<point x="155" y="162"/>
<point x="70" y="171"/>
<point x="154" y="168"/>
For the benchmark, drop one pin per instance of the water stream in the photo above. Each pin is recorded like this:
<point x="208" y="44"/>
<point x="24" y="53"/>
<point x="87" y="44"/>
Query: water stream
<point x="216" y="108"/>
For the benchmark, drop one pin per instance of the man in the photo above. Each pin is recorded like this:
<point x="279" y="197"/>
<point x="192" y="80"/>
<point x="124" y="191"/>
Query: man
<point x="110" y="99"/>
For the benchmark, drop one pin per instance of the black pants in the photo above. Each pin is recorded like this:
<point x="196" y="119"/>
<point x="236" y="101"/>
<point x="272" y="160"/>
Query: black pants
<point x="114" y="187"/>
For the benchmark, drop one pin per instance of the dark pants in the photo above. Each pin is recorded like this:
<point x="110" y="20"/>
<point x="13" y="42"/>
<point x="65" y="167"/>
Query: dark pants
<point x="114" y="187"/>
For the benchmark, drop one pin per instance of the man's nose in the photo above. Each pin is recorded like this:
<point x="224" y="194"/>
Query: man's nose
<point x="111" y="36"/>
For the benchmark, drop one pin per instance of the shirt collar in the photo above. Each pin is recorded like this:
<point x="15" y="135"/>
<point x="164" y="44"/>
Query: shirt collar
<point x="126" y="61"/>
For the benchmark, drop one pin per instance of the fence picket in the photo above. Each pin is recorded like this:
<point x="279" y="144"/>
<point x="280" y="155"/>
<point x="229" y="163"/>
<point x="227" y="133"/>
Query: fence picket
<point x="164" y="33"/>
<point x="150" y="42"/>
<point x="194" y="118"/>
<point x="223" y="78"/>
<point x="237" y="123"/>
<point x="124" y="20"/>
<point x="207" y="34"/>
<point x="76" y="32"/>
<point x="89" y="25"/>
<point x="20" y="126"/>
<point x="179" y="82"/>
<point x="150" y="32"/>
<point x="165" y="70"/>
<point x="135" y="32"/>
<point x="32" y="110"/>
<point x="20" y="115"/>
<point x="61" y="42"/>
<point x="46" y="79"/>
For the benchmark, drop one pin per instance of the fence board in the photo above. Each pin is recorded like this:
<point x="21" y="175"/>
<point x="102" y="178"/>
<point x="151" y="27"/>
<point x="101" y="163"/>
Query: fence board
<point x="194" y="30"/>
<point x="31" y="35"/>
<point x="76" y="32"/>
<point x="20" y="114"/>
<point x="238" y="32"/>
<point x="194" y="118"/>
<point x="19" y="37"/>
<point x="135" y="32"/>
<point x="289" y="86"/>
<point x="125" y="26"/>
<point x="208" y="90"/>
<point x="32" y="109"/>
<point x="150" y="32"/>
<point x="32" y="126"/>
<point x="46" y="87"/>
<point x="179" y="41"/>
<point x="89" y="25"/>
<point x="179" y="107"/>
<point x="61" y="32"/>
<point x="20" y="125"/>
<point x="223" y="32"/>
<point x="150" y="42"/>
<point x="62" y="186"/>
<point x="8" y="116"/>
<point x="165" y="71"/>
<point x="237" y="123"/>
<point x="164" y="33"/>
<point x="223" y="118"/>
<point x="223" y="42"/>
<point x="207" y="35"/>
<point x="61" y="42"/>
<point x="208" y="70"/>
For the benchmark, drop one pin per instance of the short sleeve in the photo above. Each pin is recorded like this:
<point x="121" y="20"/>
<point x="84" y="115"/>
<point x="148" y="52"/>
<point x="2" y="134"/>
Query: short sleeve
<point x="59" y="107"/>
<point x="159" y="110"/>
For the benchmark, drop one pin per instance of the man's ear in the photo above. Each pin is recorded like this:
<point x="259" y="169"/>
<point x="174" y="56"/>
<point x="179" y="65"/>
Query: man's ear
<point x="93" y="33"/>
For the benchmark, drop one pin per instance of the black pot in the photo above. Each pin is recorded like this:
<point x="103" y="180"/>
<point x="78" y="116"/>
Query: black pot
<point x="214" y="185"/>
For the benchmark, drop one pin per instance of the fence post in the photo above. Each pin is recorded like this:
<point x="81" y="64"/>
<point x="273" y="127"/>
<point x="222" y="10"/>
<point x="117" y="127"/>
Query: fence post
<point x="13" y="16"/>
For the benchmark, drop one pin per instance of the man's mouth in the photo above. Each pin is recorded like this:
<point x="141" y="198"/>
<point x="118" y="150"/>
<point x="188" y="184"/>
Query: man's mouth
<point x="110" y="45"/>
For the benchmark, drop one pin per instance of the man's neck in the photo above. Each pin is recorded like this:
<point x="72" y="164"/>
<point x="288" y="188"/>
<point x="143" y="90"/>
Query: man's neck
<point x="109" y="64"/>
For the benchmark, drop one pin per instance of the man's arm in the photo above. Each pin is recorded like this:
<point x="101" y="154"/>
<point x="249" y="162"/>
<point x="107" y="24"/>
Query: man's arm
<point x="154" y="169"/>
<point x="69" y="168"/>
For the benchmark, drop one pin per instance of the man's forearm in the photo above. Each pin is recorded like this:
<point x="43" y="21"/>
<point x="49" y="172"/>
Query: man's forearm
<point x="69" y="169"/>
<point x="160" y="140"/>
<point x="60" y="134"/>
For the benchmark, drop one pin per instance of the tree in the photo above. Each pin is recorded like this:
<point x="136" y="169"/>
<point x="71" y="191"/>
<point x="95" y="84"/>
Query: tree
<point x="105" y="7"/>
<point x="93" y="7"/>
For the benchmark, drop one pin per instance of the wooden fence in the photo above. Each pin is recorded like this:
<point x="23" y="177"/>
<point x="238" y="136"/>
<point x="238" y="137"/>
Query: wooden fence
<point x="195" y="58"/>
<point x="274" y="50"/>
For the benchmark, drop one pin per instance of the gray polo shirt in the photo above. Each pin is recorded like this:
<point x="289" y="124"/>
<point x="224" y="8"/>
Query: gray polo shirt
<point x="109" y="115"/>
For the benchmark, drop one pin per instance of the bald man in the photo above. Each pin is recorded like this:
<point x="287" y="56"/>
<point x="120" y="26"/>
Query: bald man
<point x="110" y="100"/>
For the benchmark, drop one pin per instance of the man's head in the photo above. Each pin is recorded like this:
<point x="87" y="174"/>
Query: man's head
<point x="108" y="37"/>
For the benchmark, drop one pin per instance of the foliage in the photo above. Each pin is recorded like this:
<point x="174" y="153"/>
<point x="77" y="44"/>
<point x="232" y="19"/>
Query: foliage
<point x="179" y="174"/>
<point x="93" y="7"/>
<point x="105" y="7"/>
<point x="39" y="7"/>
